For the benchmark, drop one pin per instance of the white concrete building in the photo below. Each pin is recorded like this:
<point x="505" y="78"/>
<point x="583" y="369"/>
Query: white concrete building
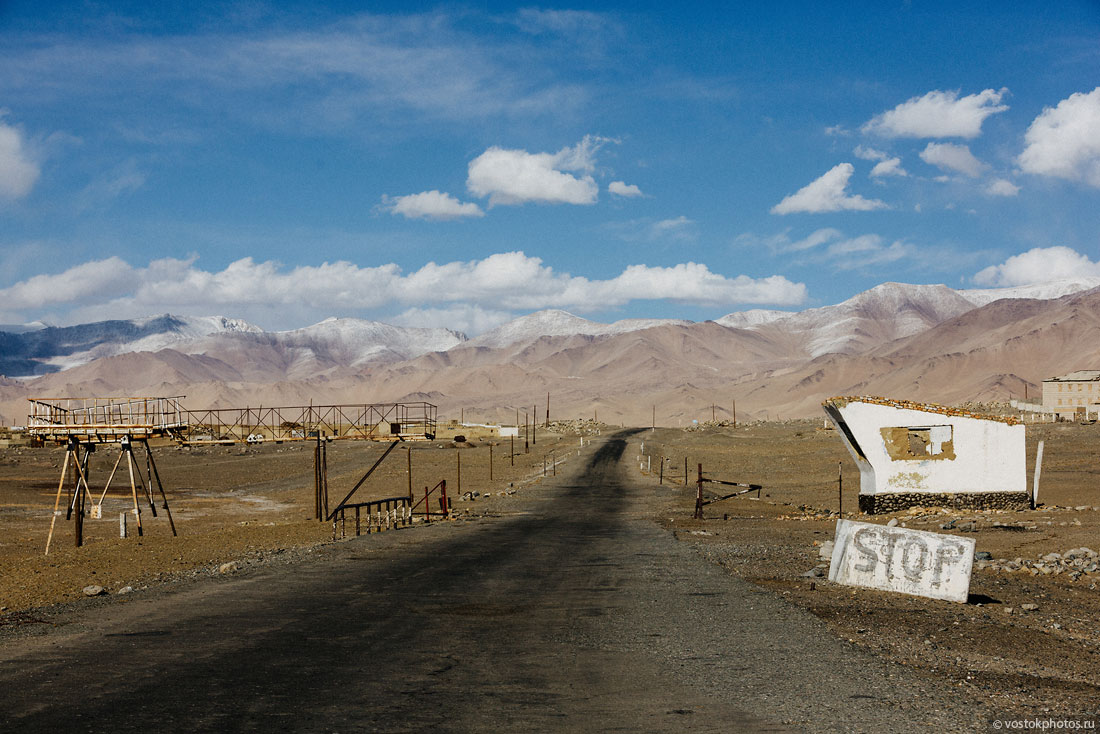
<point x="912" y="454"/>
<point x="1074" y="395"/>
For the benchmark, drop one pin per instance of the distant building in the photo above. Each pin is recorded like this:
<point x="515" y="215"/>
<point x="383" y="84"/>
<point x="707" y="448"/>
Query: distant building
<point x="1074" y="395"/>
<point x="912" y="454"/>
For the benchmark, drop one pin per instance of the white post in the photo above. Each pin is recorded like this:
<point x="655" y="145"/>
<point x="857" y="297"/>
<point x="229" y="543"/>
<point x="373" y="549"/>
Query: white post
<point x="649" y="463"/>
<point x="1038" y="469"/>
<point x="122" y="524"/>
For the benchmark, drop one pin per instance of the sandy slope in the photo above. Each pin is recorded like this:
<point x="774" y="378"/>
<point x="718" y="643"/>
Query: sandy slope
<point x="679" y="371"/>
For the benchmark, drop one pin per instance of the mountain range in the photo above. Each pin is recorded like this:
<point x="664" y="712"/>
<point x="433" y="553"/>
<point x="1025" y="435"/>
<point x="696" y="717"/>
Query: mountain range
<point x="922" y="342"/>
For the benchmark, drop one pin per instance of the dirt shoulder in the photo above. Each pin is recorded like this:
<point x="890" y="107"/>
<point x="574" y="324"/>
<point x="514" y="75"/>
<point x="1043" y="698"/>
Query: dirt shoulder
<point x="1028" y="642"/>
<point x="231" y="504"/>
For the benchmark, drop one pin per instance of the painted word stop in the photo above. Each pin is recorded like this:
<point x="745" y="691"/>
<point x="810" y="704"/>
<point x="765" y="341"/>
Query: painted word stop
<point x="897" y="559"/>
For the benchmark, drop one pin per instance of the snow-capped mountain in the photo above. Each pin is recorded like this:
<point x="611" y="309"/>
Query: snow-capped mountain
<point x="752" y="317"/>
<point x="553" y="322"/>
<point x="925" y="342"/>
<point x="22" y="328"/>
<point x="54" y="348"/>
<point x="360" y="341"/>
<point x="332" y="342"/>
<point x="336" y="342"/>
<point x="867" y="320"/>
<point x="884" y="313"/>
<point x="1040" y="291"/>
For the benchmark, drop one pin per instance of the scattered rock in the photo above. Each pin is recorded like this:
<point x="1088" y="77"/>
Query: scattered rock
<point x="94" y="590"/>
<point x="893" y="523"/>
<point x="125" y="590"/>
<point x="1029" y="607"/>
<point x="983" y="556"/>
<point x="815" y="573"/>
<point x="229" y="567"/>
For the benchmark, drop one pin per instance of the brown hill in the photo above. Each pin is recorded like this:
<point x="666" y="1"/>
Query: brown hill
<point x="677" y="370"/>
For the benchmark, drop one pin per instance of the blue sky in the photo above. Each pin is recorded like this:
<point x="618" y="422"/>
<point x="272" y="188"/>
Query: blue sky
<point x="469" y="163"/>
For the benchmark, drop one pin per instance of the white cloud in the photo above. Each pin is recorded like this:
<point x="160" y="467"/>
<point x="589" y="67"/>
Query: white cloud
<point x="510" y="177"/>
<point x="675" y="226"/>
<point x="621" y="188"/>
<point x="647" y="230"/>
<point x="888" y="167"/>
<point x="1064" y="141"/>
<point x="1002" y="187"/>
<point x="952" y="157"/>
<point x="566" y="22"/>
<point x="110" y="185"/>
<point x="98" y="279"/>
<point x="18" y="173"/>
<point x="938" y="114"/>
<point x="1038" y="265"/>
<point x="782" y="241"/>
<point x="430" y="205"/>
<point x="863" y="243"/>
<point x="509" y="281"/>
<point x="827" y="194"/>
<point x="386" y="71"/>
<point x="869" y="154"/>
<point x="867" y="249"/>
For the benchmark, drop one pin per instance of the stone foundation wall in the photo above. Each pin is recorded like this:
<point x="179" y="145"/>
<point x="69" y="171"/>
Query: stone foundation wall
<point x="894" y="501"/>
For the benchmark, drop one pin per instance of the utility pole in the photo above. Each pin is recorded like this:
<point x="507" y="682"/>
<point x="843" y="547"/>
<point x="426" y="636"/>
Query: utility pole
<point x="547" y="410"/>
<point x="534" y="423"/>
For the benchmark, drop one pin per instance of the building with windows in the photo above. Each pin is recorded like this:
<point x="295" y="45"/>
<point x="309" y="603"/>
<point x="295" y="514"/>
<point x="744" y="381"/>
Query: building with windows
<point x="1076" y="395"/>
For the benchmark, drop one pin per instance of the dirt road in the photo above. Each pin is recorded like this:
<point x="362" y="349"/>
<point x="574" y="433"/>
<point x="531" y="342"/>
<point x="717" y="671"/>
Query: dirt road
<point x="570" y="612"/>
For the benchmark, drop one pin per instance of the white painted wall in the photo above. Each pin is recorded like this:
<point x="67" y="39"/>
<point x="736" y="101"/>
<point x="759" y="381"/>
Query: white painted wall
<point x="989" y="454"/>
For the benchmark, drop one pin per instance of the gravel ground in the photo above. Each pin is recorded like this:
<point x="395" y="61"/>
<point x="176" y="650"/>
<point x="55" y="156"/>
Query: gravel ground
<point x="1027" y="644"/>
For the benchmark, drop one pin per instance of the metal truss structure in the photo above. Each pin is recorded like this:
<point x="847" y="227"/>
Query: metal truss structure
<point x="105" y="420"/>
<point x="109" y="420"/>
<point x="372" y="422"/>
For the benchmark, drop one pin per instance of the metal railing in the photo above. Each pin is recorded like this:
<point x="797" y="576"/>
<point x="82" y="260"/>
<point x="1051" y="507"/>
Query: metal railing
<point x="109" y="418"/>
<point x="105" y="418"/>
<point x="376" y="421"/>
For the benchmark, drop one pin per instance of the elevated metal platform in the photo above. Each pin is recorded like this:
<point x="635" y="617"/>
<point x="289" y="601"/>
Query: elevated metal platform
<point x="105" y="420"/>
<point x="372" y="422"/>
<point x="109" y="420"/>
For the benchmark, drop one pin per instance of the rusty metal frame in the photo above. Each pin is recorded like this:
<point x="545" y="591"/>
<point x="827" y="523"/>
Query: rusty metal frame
<point x="372" y="422"/>
<point x="109" y="419"/>
<point x="105" y="420"/>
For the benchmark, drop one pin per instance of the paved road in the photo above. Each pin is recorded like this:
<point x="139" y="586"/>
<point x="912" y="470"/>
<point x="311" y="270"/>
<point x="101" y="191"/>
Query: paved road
<point x="574" y="613"/>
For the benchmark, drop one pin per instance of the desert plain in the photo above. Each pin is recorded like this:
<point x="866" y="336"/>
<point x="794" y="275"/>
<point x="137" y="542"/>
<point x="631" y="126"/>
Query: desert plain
<point x="1027" y="642"/>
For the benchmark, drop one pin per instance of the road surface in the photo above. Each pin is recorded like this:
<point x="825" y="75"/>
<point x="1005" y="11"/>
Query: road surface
<point x="571" y="612"/>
